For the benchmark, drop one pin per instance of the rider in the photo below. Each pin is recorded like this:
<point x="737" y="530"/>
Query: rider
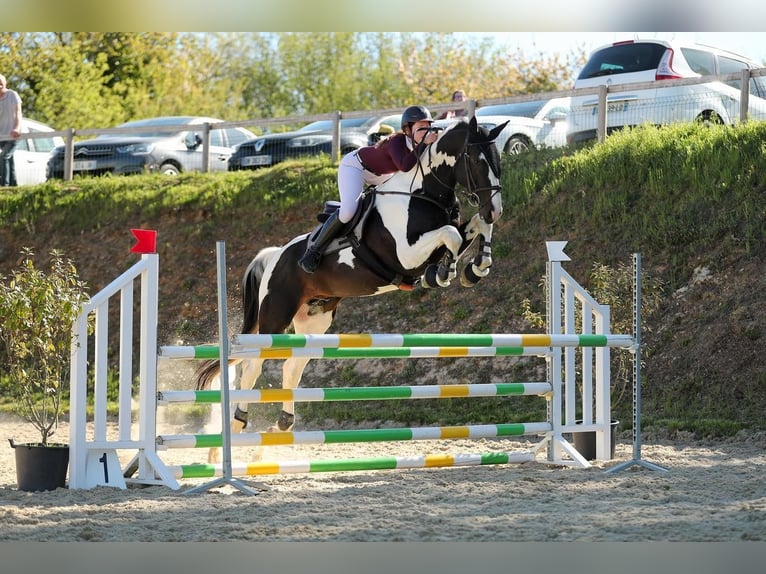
<point x="371" y="165"/>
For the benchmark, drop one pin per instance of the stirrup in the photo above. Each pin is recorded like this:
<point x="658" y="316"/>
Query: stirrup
<point x="310" y="260"/>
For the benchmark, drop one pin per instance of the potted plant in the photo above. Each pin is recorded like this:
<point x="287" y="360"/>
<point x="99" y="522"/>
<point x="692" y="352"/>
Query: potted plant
<point x="37" y="310"/>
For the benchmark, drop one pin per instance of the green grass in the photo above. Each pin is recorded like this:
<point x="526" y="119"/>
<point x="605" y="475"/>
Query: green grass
<point x="683" y="196"/>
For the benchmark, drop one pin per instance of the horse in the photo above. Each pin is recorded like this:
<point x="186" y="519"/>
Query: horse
<point x="408" y="231"/>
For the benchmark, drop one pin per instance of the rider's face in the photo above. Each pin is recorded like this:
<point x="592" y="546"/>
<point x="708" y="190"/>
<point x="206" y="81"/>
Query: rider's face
<point x="418" y="131"/>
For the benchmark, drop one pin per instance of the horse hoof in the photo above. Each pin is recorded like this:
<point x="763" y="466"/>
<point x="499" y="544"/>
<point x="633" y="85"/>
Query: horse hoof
<point x="445" y="275"/>
<point x="237" y="426"/>
<point x="469" y="278"/>
<point x="284" y="423"/>
<point x="429" y="279"/>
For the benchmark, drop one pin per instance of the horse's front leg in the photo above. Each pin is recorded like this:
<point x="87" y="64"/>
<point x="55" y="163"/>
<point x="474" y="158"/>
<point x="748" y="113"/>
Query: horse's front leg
<point x="479" y="267"/>
<point x="444" y="273"/>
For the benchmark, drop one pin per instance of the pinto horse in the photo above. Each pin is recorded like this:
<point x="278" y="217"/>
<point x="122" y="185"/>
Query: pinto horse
<point x="408" y="232"/>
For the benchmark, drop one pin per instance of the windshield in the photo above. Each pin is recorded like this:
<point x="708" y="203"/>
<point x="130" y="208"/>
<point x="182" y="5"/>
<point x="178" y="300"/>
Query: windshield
<point x="326" y="125"/>
<point x="623" y="59"/>
<point x="151" y="125"/>
<point x="524" y="109"/>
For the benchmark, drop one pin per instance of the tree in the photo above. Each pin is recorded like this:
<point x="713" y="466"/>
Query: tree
<point x="99" y="79"/>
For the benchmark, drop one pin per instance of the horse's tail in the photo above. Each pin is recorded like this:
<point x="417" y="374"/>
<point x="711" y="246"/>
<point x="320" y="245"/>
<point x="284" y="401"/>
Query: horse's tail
<point x="208" y="370"/>
<point x="251" y="284"/>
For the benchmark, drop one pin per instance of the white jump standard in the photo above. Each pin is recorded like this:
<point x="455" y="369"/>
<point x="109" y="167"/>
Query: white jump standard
<point x="577" y="389"/>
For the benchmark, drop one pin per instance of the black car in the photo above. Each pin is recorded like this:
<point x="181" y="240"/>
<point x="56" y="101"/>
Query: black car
<point x="312" y="139"/>
<point x="151" y="149"/>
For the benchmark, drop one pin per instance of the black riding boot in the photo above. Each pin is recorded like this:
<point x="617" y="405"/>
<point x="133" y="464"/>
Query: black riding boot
<point x="310" y="260"/>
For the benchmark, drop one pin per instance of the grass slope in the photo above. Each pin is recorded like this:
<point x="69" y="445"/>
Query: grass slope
<point x="690" y="199"/>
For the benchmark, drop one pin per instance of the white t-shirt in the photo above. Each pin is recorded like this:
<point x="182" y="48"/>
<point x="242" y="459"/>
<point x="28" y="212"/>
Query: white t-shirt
<point x="9" y="103"/>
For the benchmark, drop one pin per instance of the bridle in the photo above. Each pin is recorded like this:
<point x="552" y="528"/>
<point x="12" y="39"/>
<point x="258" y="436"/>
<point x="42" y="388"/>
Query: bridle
<point x="472" y="191"/>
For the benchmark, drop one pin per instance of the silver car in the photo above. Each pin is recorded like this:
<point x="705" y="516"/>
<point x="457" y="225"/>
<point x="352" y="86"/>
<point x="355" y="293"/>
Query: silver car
<point x="531" y="124"/>
<point x="32" y="154"/>
<point x="152" y="145"/>
<point x="652" y="62"/>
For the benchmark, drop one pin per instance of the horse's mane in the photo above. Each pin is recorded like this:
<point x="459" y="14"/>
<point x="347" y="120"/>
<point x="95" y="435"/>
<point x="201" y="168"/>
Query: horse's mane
<point x="430" y="158"/>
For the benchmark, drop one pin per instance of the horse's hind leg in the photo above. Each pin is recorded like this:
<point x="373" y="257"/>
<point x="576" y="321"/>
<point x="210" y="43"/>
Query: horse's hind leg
<point x="250" y="371"/>
<point x="306" y="321"/>
<point x="292" y="371"/>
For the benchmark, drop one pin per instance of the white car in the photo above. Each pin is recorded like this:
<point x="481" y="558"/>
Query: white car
<point x="531" y="124"/>
<point x="32" y="154"/>
<point x="651" y="60"/>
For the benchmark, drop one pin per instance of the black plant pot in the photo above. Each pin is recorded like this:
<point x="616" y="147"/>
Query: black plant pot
<point x="585" y="442"/>
<point x="41" y="467"/>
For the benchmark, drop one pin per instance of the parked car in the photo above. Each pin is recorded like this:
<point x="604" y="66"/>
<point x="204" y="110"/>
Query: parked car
<point x="651" y="60"/>
<point x="312" y="139"/>
<point x="32" y="154"/>
<point x="533" y="124"/>
<point x="152" y="149"/>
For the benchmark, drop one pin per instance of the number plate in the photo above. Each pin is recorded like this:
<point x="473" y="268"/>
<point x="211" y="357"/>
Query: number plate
<point x="617" y="107"/>
<point x="256" y="160"/>
<point x="84" y="165"/>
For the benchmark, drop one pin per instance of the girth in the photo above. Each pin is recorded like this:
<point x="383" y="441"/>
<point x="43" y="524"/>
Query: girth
<point x="359" y="249"/>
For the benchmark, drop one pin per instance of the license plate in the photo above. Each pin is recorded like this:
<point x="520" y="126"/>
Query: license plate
<point x="84" y="165"/>
<point x="619" y="106"/>
<point x="256" y="160"/>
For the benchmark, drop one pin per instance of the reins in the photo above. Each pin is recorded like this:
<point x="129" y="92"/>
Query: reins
<point x="471" y="194"/>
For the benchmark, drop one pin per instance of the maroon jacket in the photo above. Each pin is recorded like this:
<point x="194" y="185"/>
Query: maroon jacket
<point x="389" y="155"/>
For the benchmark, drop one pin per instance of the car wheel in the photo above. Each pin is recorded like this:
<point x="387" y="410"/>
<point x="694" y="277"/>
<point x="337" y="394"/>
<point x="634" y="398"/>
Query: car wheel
<point x="169" y="169"/>
<point x="517" y="145"/>
<point x="709" y="117"/>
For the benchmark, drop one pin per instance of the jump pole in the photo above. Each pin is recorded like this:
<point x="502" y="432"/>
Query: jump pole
<point x="636" y="460"/>
<point x="87" y="452"/>
<point x="223" y="342"/>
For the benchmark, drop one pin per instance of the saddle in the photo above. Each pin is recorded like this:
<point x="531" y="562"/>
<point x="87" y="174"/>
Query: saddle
<point x="352" y="233"/>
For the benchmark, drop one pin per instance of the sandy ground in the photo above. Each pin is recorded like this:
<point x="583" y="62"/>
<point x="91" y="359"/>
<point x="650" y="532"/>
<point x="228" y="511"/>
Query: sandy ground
<point x="713" y="491"/>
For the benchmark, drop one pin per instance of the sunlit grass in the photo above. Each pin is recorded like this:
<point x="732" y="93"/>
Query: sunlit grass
<point x="677" y="194"/>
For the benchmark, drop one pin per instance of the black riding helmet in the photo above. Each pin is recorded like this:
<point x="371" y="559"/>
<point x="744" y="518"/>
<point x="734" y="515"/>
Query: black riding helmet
<point x="415" y="114"/>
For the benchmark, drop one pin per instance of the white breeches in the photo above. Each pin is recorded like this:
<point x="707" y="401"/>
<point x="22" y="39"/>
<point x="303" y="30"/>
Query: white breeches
<point x="352" y="179"/>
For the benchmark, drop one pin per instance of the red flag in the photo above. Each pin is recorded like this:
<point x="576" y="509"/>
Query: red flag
<point x="146" y="241"/>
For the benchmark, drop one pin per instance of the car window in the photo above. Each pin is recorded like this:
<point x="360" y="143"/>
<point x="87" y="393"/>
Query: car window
<point x="43" y="144"/>
<point x="623" y="59"/>
<point x="216" y="138"/>
<point x="326" y="125"/>
<point x="524" y="109"/>
<point x="394" y="121"/>
<point x="731" y="66"/>
<point x="701" y="62"/>
<point x="236" y="136"/>
<point x="353" y="122"/>
<point x="758" y="86"/>
<point x="556" y="110"/>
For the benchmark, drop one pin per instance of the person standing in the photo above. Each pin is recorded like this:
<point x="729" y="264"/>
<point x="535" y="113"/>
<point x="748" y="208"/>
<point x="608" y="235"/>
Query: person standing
<point x="458" y="96"/>
<point x="10" y="126"/>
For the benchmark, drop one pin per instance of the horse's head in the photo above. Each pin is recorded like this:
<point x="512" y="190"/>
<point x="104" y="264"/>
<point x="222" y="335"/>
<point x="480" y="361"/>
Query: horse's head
<point x="476" y="165"/>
